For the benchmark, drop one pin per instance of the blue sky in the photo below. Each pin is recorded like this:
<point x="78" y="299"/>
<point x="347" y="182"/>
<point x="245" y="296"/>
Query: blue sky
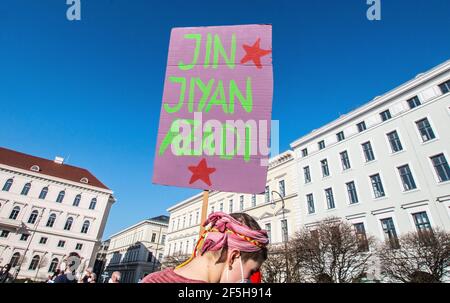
<point x="92" y="89"/>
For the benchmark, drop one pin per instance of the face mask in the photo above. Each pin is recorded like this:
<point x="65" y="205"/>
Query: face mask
<point x="242" y="280"/>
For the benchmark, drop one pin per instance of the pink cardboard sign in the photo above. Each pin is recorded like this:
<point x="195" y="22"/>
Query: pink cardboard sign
<point x="214" y="128"/>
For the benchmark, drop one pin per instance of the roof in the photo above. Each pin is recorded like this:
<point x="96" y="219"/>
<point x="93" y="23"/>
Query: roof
<point x="48" y="167"/>
<point x="162" y="219"/>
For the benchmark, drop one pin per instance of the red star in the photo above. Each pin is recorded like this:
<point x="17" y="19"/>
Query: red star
<point x="201" y="172"/>
<point x="254" y="53"/>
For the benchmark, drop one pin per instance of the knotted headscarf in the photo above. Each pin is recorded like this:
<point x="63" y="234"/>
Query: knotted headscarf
<point x="222" y="230"/>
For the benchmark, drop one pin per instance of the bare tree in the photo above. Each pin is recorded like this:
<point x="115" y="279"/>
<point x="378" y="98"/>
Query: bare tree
<point x="274" y="268"/>
<point x="421" y="257"/>
<point x="332" y="252"/>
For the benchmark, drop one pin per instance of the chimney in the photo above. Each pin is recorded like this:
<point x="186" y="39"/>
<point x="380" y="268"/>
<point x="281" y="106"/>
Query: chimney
<point x="59" y="160"/>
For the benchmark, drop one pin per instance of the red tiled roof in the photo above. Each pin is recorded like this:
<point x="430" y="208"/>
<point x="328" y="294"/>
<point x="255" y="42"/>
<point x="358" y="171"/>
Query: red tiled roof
<point x="48" y="167"/>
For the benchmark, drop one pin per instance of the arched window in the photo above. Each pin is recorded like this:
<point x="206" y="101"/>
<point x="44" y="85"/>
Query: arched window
<point x="43" y="193"/>
<point x="35" y="168"/>
<point x="84" y="180"/>
<point x="77" y="200"/>
<point x="53" y="265"/>
<point x="14" y="213"/>
<point x="60" y="196"/>
<point x="85" y="227"/>
<point x="33" y="217"/>
<point x="8" y="185"/>
<point x="93" y="203"/>
<point x="68" y="224"/>
<point x="51" y="220"/>
<point x="34" y="263"/>
<point x="14" y="260"/>
<point x="26" y="189"/>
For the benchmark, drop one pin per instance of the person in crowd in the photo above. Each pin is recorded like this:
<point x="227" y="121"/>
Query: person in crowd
<point x="92" y="278"/>
<point x="231" y="249"/>
<point x="86" y="276"/>
<point x="115" y="277"/>
<point x="5" y="276"/>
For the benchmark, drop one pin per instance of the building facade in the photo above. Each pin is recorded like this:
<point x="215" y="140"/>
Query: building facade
<point x="384" y="166"/>
<point x="267" y="209"/>
<point x="48" y="212"/>
<point x="138" y="250"/>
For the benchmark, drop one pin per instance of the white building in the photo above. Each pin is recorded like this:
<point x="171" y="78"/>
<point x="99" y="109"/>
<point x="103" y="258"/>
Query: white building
<point x="137" y="250"/>
<point x="48" y="211"/>
<point x="384" y="166"/>
<point x="184" y="226"/>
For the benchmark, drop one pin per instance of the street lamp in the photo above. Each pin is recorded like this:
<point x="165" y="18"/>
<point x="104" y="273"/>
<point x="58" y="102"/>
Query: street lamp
<point x="285" y="236"/>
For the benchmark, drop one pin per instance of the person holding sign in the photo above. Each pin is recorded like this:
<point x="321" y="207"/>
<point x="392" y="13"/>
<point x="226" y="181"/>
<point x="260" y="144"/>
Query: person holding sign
<point x="230" y="250"/>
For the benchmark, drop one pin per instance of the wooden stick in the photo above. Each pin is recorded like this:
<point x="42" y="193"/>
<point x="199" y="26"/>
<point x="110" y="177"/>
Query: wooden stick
<point x="204" y="209"/>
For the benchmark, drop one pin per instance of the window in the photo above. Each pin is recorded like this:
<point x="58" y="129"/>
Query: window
<point x="14" y="260"/>
<point x="79" y="246"/>
<point x="221" y="206"/>
<point x="163" y="239"/>
<point x="230" y="206"/>
<point x="8" y="185"/>
<point x="43" y="240"/>
<point x="53" y="266"/>
<point x="212" y="209"/>
<point x="363" y="244"/>
<point x="325" y="170"/>
<point x="178" y="224"/>
<point x="33" y="217"/>
<point x="51" y="220"/>
<point x="268" y="228"/>
<point x="368" y="151"/>
<point x="390" y="233"/>
<point x="4" y="234"/>
<point x="68" y="224"/>
<point x="330" y="198"/>
<point x="184" y="221"/>
<point x="407" y="177"/>
<point x="14" y="213"/>
<point x="394" y="141"/>
<point x="43" y="193"/>
<point x="93" y="203"/>
<point x="340" y="136"/>
<point x="351" y="190"/>
<point x="413" y="102"/>
<point x="282" y="187"/>
<point x="425" y="130"/>
<point x="304" y="152"/>
<point x="197" y="218"/>
<point x="190" y="219"/>
<point x="24" y="237"/>
<point x="153" y="237"/>
<point x="441" y="167"/>
<point x="321" y="144"/>
<point x="61" y="243"/>
<point x="241" y="202"/>
<point x="386" y="115"/>
<point x="361" y="126"/>
<point x="26" y="189"/>
<point x="445" y="87"/>
<point x="377" y="186"/>
<point x="253" y="200"/>
<point x="422" y="222"/>
<point x="76" y="201"/>
<point x="307" y="174"/>
<point x="85" y="227"/>
<point x="34" y="263"/>
<point x="310" y="203"/>
<point x="284" y="230"/>
<point x="60" y="196"/>
<point x="267" y="194"/>
<point x="345" y="160"/>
